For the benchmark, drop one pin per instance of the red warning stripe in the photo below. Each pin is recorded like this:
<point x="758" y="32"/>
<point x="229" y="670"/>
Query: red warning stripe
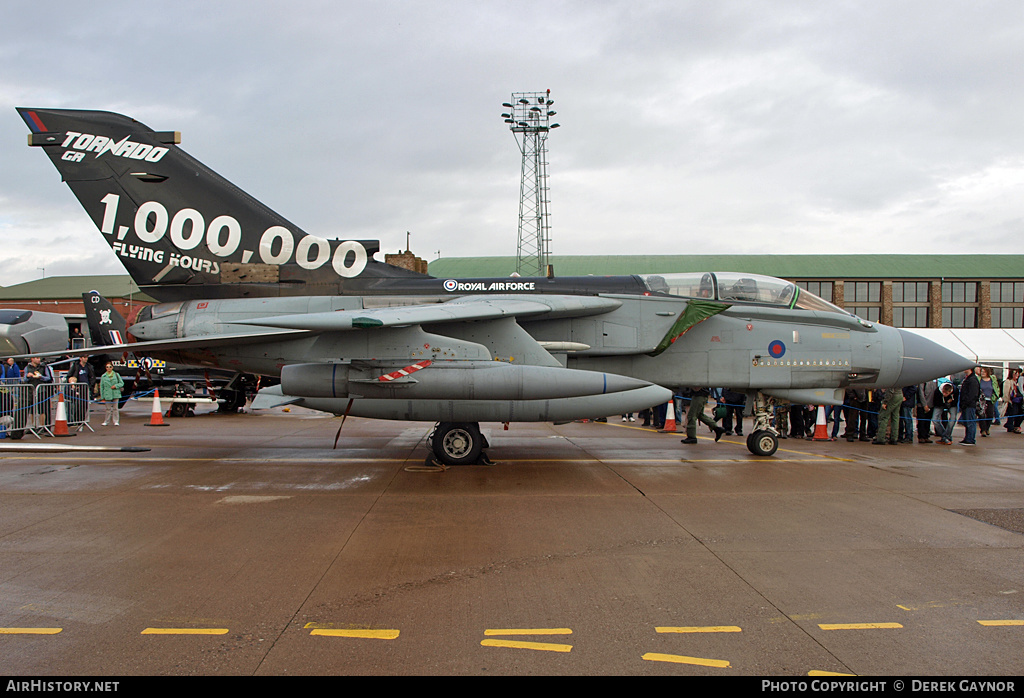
<point x="405" y="371"/>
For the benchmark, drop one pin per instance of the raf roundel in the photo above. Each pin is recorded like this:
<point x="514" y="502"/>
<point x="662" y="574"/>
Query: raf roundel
<point x="776" y="349"/>
<point x="450" y="285"/>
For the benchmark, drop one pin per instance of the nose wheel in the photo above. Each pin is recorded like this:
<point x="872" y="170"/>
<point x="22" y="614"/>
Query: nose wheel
<point x="762" y="443"/>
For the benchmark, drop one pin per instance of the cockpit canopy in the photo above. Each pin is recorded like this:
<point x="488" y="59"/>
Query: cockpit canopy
<point x="734" y="287"/>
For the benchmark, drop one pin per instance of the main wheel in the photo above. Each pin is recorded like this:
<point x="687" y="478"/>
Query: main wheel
<point x="233" y="400"/>
<point x="763" y="443"/>
<point x="179" y="409"/>
<point x="457" y="443"/>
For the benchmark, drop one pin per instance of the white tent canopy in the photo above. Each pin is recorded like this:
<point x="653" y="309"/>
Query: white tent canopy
<point x="994" y="347"/>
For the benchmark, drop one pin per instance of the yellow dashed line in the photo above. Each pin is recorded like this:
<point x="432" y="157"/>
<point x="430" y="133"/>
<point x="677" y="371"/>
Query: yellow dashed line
<point x="185" y="631"/>
<point x="680" y="659"/>
<point x="530" y="631"/>
<point x="700" y="629"/>
<point x="858" y="626"/>
<point x="517" y="644"/>
<point x="387" y="634"/>
<point x="30" y="631"/>
<point x="996" y="623"/>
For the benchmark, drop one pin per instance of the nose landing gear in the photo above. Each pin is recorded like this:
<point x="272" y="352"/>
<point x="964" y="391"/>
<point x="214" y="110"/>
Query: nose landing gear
<point x="763" y="439"/>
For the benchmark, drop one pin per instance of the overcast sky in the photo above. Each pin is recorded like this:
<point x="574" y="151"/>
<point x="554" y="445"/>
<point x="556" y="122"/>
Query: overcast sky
<point x="703" y="127"/>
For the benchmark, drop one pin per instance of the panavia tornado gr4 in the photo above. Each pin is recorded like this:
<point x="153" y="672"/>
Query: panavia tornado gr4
<point x="505" y="350"/>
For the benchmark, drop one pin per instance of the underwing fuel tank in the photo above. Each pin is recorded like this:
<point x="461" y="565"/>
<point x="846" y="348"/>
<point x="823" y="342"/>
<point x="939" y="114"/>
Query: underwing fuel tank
<point x="555" y="410"/>
<point x="456" y="380"/>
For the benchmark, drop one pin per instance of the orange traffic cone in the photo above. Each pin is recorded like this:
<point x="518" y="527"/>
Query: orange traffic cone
<point x="60" y="427"/>
<point x="670" y="417"/>
<point x="156" y="419"/>
<point x="820" y="427"/>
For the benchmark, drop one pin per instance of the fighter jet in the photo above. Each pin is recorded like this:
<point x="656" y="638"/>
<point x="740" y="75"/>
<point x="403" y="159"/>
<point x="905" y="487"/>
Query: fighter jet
<point x="503" y="352"/>
<point x="107" y="327"/>
<point x="28" y="332"/>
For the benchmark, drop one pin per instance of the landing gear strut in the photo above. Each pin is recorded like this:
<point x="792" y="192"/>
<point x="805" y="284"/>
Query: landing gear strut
<point x="458" y="443"/>
<point x="763" y="440"/>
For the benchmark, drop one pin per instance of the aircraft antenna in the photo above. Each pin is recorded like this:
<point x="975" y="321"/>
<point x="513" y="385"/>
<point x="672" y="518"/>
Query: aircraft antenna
<point x="528" y="115"/>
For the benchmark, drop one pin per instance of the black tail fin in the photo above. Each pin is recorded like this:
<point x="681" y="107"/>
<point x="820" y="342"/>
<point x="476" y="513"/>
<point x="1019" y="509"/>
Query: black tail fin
<point x="180" y="229"/>
<point x="106" y="325"/>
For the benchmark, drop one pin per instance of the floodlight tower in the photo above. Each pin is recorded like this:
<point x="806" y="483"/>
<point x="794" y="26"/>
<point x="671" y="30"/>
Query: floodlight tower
<point x="528" y="116"/>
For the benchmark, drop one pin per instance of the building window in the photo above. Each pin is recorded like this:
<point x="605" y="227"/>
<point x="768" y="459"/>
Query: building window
<point x="871" y="313"/>
<point x="865" y="292"/>
<point x="910" y="316"/>
<point x="1007" y="292"/>
<point x="959" y="317"/>
<point x="1008" y="317"/>
<point x="959" y="292"/>
<point x="1007" y="299"/>
<point x="822" y="289"/>
<point x="910" y="292"/>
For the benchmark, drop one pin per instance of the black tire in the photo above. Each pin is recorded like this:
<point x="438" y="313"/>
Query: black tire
<point x="763" y="443"/>
<point x="179" y="409"/>
<point x="457" y="443"/>
<point x="233" y="400"/>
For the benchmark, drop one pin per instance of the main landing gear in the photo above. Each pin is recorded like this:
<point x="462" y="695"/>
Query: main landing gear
<point x="458" y="443"/>
<point x="763" y="439"/>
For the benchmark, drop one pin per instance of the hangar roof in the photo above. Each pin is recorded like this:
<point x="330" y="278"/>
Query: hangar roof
<point x="61" y="287"/>
<point x="786" y="266"/>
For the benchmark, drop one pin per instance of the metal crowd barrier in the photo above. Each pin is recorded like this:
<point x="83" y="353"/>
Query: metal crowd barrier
<point x="33" y="409"/>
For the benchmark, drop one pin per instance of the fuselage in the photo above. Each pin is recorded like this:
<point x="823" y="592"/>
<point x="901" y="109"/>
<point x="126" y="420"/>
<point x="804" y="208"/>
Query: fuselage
<point x="756" y="333"/>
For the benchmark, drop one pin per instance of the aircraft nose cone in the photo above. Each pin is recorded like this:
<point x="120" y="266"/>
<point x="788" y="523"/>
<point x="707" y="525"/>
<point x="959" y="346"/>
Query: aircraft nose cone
<point x="924" y="360"/>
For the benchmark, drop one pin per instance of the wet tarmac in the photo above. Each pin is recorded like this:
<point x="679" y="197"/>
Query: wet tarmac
<point x="246" y="545"/>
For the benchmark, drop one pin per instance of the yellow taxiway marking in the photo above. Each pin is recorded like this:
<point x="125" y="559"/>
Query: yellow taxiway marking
<point x="529" y="631"/>
<point x="521" y="645"/>
<point x="858" y="626"/>
<point x="680" y="659"/>
<point x="699" y="629"/>
<point x="383" y="634"/>
<point x="817" y="672"/>
<point x="30" y="631"/>
<point x="992" y="623"/>
<point x="185" y="631"/>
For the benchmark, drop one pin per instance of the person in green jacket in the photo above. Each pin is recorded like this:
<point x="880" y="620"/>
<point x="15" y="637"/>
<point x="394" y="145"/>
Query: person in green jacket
<point x="111" y="385"/>
<point x="889" y="417"/>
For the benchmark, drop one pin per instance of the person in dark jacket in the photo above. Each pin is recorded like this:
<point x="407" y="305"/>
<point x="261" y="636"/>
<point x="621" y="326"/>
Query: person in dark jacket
<point x="84" y="372"/>
<point x="925" y="408"/>
<point x="854" y="402"/>
<point x="947" y="399"/>
<point x="37" y="373"/>
<point x="735" y="404"/>
<point x="970" y="391"/>
<point x="907" y="414"/>
<point x="9" y="372"/>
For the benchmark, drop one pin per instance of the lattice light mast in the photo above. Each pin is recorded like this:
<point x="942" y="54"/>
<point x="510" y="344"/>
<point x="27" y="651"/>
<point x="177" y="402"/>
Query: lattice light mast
<point x="529" y="118"/>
